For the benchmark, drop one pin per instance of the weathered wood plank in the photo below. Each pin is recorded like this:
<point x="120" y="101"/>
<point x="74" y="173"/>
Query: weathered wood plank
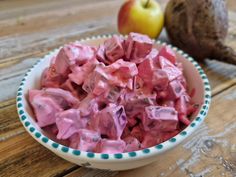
<point x="220" y="75"/>
<point x="187" y="159"/>
<point x="55" y="27"/>
<point x="9" y="126"/>
<point x="22" y="156"/>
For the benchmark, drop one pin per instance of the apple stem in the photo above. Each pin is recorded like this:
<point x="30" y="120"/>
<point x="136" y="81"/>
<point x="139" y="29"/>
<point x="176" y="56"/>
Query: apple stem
<point x="147" y="3"/>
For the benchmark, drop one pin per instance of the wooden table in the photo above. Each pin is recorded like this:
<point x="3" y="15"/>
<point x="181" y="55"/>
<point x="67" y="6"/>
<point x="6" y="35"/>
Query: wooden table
<point x="29" y="29"/>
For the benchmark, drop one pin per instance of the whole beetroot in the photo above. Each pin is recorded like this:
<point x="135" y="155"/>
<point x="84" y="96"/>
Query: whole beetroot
<point x="199" y="27"/>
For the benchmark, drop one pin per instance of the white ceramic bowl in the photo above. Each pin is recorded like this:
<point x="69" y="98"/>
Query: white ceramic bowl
<point x="195" y="76"/>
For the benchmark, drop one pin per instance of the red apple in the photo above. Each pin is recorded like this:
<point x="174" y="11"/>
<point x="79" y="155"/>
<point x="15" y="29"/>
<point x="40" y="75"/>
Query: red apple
<point x="142" y="16"/>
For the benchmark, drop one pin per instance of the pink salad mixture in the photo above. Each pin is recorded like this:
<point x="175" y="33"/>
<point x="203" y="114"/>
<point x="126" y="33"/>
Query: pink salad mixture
<point x="121" y="96"/>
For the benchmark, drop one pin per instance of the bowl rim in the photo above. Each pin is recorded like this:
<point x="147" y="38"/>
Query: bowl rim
<point x="103" y="157"/>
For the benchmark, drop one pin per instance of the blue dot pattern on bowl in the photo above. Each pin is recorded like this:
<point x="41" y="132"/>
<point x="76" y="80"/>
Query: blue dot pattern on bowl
<point x="118" y="156"/>
<point x="27" y="123"/>
<point x="183" y="133"/>
<point x="146" y="150"/>
<point x="76" y="152"/>
<point x="104" y="156"/>
<point x="32" y="129"/>
<point x="159" y="146"/>
<point x="55" y="145"/>
<point x="37" y="134"/>
<point x="24" y="119"/>
<point x="45" y="140"/>
<point x="132" y="154"/>
<point x="198" y="119"/>
<point x="90" y="155"/>
<point x="173" y="140"/>
<point x="65" y="149"/>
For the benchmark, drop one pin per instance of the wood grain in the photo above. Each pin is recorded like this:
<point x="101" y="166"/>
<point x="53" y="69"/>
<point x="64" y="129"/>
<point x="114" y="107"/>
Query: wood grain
<point x="29" y="29"/>
<point x="22" y="156"/>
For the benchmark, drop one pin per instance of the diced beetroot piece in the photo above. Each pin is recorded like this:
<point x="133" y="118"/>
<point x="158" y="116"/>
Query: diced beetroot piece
<point x="120" y="72"/>
<point x="160" y="118"/>
<point x="138" y="83"/>
<point x="171" y="70"/>
<point x="112" y="95"/>
<point x="132" y="121"/>
<point x="86" y="53"/>
<point x="132" y="144"/>
<point x="125" y="68"/>
<point x="123" y="41"/>
<point x="184" y="119"/>
<point x="64" y="98"/>
<point x="150" y="140"/>
<point x="136" y="104"/>
<point x="163" y="94"/>
<point x="192" y="108"/>
<point x="33" y="93"/>
<point x="167" y="135"/>
<point x="175" y="89"/>
<point x="100" y="55"/>
<point x="72" y="54"/>
<point x="69" y="122"/>
<point x="138" y="60"/>
<point x="125" y="95"/>
<point x="85" y="140"/>
<point x="130" y="84"/>
<point x="145" y="70"/>
<point x="137" y="46"/>
<point x="54" y="129"/>
<point x="110" y="146"/>
<point x="183" y="81"/>
<point x="76" y="90"/>
<point x="160" y="80"/>
<point x="79" y="53"/>
<point x="110" y="121"/>
<point x="125" y="133"/>
<point x="153" y="54"/>
<point x="51" y="129"/>
<point x="94" y="77"/>
<point x="113" y="48"/>
<point x="100" y="87"/>
<point x="50" y="78"/>
<point x="62" y="62"/>
<point x="181" y="105"/>
<point x="137" y="132"/>
<point x="88" y="106"/>
<point x="168" y="53"/>
<point x="45" y="109"/>
<point x="79" y="73"/>
<point x="68" y="85"/>
<point x="168" y="103"/>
